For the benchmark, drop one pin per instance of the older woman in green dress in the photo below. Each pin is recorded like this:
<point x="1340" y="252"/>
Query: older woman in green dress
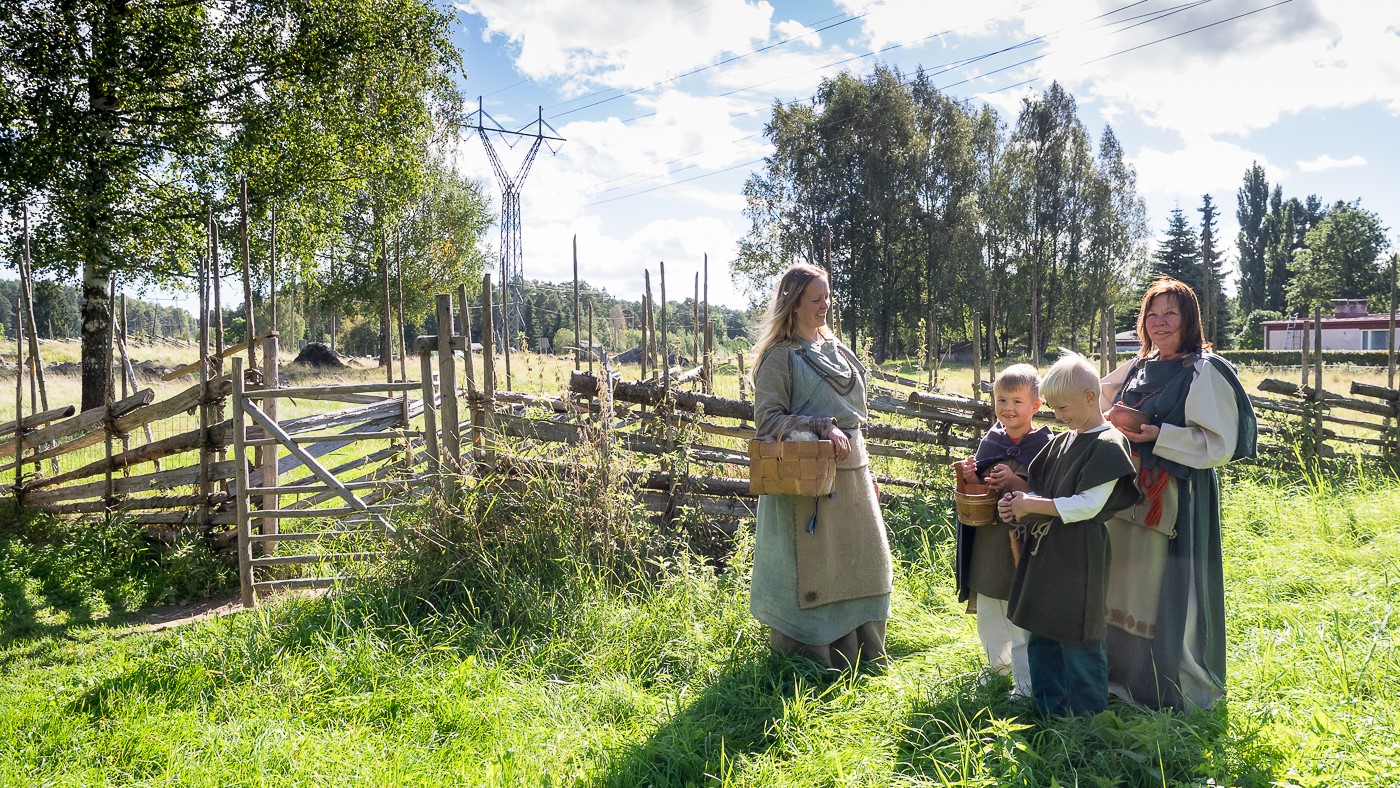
<point x="821" y="572"/>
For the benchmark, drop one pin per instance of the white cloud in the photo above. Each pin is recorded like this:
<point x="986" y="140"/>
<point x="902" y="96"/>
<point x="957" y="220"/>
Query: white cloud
<point x="907" y="22"/>
<point x="1200" y="165"/>
<point x="621" y="45"/>
<point x="1241" y="75"/>
<point x="1326" y="162"/>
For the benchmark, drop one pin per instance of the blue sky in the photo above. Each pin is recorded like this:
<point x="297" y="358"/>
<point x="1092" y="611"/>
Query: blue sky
<point x="663" y="103"/>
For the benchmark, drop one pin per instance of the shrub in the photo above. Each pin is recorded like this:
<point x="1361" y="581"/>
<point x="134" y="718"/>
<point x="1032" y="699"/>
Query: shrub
<point x="1293" y="358"/>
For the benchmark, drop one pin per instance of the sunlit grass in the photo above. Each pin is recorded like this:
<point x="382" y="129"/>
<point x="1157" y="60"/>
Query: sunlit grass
<point x="527" y="661"/>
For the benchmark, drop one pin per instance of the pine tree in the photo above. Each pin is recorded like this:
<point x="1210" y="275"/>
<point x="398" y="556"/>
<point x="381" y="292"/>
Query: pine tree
<point x="1179" y="255"/>
<point x="1211" y="292"/>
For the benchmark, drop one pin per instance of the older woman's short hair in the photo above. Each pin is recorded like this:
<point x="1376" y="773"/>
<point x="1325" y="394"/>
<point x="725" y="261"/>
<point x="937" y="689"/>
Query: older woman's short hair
<point x="1018" y="376"/>
<point x="1072" y="374"/>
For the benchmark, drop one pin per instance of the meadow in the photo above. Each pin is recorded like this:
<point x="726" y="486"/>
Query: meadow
<point x="538" y="653"/>
<point x="565" y="640"/>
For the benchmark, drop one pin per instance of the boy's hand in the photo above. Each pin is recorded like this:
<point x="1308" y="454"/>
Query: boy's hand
<point x="1006" y="507"/>
<point x="1003" y="478"/>
<point x="967" y="470"/>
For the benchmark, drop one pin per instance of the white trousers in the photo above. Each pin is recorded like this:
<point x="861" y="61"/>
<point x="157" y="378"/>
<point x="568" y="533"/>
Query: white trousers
<point x="1005" y="643"/>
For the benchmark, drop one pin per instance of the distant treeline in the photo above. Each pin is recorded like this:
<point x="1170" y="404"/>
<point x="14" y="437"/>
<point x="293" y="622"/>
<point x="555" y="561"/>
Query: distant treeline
<point x="56" y="313"/>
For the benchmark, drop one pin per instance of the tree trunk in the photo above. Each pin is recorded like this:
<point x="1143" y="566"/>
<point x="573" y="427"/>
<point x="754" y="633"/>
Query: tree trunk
<point x="97" y="322"/>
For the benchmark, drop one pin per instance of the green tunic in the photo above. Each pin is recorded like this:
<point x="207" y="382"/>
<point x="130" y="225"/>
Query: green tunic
<point x="1062" y="580"/>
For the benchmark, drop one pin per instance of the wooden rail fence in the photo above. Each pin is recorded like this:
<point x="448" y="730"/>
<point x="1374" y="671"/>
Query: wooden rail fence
<point x="254" y="482"/>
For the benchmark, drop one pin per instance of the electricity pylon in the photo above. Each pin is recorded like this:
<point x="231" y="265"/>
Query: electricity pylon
<point x="512" y="269"/>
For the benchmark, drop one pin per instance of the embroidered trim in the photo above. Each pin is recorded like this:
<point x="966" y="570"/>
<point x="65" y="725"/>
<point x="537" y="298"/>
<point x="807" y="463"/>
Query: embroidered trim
<point x="842" y="387"/>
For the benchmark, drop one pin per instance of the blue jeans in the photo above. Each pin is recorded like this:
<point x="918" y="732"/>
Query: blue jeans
<point x="1068" y="678"/>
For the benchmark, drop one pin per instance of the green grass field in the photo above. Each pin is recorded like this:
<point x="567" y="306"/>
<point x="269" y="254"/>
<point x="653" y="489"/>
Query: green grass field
<point x="511" y="670"/>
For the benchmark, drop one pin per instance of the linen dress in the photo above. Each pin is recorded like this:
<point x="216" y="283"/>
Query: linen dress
<point x="1166" y="597"/>
<point x="822" y="573"/>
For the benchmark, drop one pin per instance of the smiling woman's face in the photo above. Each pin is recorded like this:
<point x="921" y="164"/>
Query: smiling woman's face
<point x="1163" y="322"/>
<point x="810" y="314"/>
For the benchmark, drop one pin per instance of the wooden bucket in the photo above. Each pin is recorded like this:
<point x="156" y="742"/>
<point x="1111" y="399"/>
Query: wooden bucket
<point x="976" y="504"/>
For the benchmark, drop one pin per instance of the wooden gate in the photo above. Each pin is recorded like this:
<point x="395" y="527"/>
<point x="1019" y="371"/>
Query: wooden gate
<point x="383" y="476"/>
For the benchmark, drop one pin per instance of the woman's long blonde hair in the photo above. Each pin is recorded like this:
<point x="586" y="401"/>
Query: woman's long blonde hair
<point x="780" y="323"/>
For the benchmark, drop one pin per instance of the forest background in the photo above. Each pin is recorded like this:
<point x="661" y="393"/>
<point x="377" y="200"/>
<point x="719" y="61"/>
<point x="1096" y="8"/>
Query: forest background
<point x="129" y="129"/>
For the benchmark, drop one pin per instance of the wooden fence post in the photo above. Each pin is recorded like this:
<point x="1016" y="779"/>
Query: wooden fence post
<point x="250" y="330"/>
<point x="19" y="400"/>
<point x="204" y="420"/>
<point x="1318" y="434"/>
<point x="578" y="349"/>
<point x="481" y="406"/>
<point x="709" y="362"/>
<point x="466" y="319"/>
<point x="447" y="382"/>
<point x="240" y="490"/>
<point x="976" y="354"/>
<point x="506" y="338"/>
<point x="665" y="339"/>
<point x="430" y="433"/>
<point x="268" y="525"/>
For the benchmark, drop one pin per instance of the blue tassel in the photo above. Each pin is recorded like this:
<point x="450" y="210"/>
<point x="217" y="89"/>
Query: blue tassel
<point x="812" y="524"/>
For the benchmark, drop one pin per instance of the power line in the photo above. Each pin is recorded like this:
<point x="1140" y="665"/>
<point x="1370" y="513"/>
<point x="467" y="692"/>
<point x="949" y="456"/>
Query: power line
<point x="1154" y="16"/>
<point x="1141" y="46"/>
<point x="702" y="68"/>
<point x="601" y="91"/>
<point x="941" y="68"/>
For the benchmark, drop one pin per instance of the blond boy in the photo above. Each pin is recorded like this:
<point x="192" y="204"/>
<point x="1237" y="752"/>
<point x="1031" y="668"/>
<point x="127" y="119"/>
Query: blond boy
<point x="1079" y="480"/>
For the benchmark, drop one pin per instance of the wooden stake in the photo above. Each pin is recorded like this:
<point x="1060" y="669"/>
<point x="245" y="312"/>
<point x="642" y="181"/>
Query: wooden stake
<point x="1390" y="322"/>
<point x="204" y="420"/>
<point x="268" y="525"/>
<point x="481" y="415"/>
<point x="590" y="334"/>
<point x="218" y="285"/>
<point x="506" y="338"/>
<point x="272" y="326"/>
<point x="447" y="382"/>
<point x="430" y="431"/>
<point x="665" y="338"/>
<point x="36" y="358"/>
<point x="403" y="347"/>
<point x="386" y="320"/>
<point x="578" y="351"/>
<point x="250" y="330"/>
<point x="696" y="356"/>
<point x="976" y="355"/>
<point x="240" y="490"/>
<point x="709" y="357"/>
<point x="19" y="399"/>
<point x="466" y="319"/>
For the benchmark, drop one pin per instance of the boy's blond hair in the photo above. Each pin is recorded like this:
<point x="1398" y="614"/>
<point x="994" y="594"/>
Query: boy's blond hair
<point x="1070" y="374"/>
<point x="1018" y="376"/>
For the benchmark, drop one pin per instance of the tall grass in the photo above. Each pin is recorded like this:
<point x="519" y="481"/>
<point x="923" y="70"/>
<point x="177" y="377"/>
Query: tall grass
<point x="562" y="638"/>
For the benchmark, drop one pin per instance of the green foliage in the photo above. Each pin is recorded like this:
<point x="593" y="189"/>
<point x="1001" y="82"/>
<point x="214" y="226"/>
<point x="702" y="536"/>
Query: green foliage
<point x="314" y="102"/>
<point x="1341" y="258"/>
<point x="56" y="573"/>
<point x="1292" y="358"/>
<point x="1250" y="334"/>
<point x="1253" y="205"/>
<point x="932" y="210"/>
<point x="1179" y="254"/>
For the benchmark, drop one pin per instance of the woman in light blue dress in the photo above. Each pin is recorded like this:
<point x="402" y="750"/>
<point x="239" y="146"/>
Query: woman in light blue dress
<point x="822" y="573"/>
